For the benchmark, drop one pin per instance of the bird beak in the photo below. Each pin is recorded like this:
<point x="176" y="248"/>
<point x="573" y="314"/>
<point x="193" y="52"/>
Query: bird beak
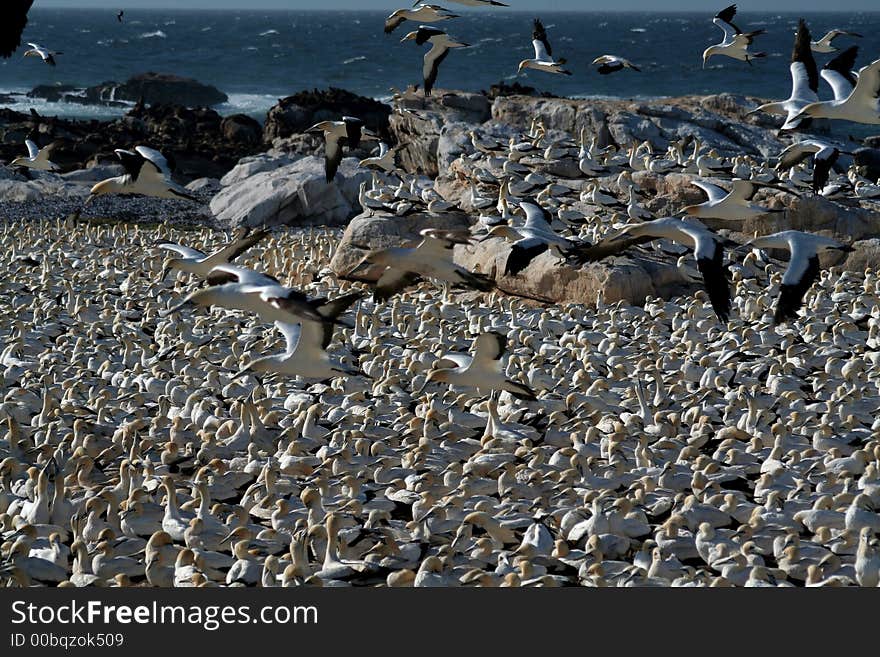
<point x="165" y="271"/>
<point x="88" y="200"/>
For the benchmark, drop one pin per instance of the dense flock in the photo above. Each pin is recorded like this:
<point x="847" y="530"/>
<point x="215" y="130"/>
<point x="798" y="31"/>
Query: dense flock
<point x="665" y="448"/>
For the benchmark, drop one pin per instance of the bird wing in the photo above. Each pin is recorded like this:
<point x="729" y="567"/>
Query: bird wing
<point x="436" y="239"/>
<point x="867" y="88"/>
<point x="431" y="67"/>
<point x="822" y="163"/>
<point x="291" y="333"/>
<point x="185" y="251"/>
<point x="714" y="192"/>
<point x="242" y="275"/>
<point x="392" y="22"/>
<point x="236" y="247"/>
<point x="839" y="73"/>
<point x="13" y="24"/>
<point x="131" y="161"/>
<point x="154" y="157"/>
<point x="797" y="153"/>
<point x="743" y="190"/>
<point x="426" y="33"/>
<point x="353" y="129"/>
<point x="332" y="156"/>
<point x="537" y="218"/>
<point x="543" y="51"/>
<point x="804" y="73"/>
<point x="33" y="149"/>
<point x="448" y="361"/>
<point x="710" y="261"/>
<point x="803" y="270"/>
<point x="489" y="346"/>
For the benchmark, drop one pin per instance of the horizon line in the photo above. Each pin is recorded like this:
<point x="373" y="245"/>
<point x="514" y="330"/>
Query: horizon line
<point x="178" y="9"/>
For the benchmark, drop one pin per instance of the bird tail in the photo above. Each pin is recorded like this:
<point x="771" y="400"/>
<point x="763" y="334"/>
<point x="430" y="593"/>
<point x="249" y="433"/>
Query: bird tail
<point x="752" y="35"/>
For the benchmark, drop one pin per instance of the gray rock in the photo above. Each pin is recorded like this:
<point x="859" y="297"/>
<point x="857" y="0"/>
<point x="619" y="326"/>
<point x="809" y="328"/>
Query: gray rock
<point x="293" y="194"/>
<point x="251" y="166"/>
<point x="14" y="191"/>
<point x="207" y="185"/>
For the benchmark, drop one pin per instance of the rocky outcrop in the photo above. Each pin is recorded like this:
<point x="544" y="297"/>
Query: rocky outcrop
<point x="297" y="113"/>
<point x="148" y="87"/>
<point x="292" y="194"/>
<point x="379" y="230"/>
<point x="628" y="279"/>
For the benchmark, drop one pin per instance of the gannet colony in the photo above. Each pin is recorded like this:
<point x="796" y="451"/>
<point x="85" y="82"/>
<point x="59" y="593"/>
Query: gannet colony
<point x="188" y="407"/>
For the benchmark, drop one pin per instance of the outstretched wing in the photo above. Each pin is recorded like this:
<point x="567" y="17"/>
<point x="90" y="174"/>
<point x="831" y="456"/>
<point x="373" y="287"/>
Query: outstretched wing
<point x="543" y="51"/>
<point x="804" y="73"/>
<point x="156" y="159"/>
<point x="490" y="346"/>
<point x="724" y="20"/>
<point x="185" y="251"/>
<point x="714" y="192"/>
<point x="839" y="73"/>
<point x="33" y="149"/>
<point x="236" y="247"/>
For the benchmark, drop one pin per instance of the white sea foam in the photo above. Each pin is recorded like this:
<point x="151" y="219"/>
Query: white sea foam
<point x="158" y="34"/>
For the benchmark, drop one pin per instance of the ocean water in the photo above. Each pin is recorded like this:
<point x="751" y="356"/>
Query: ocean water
<point x="258" y="57"/>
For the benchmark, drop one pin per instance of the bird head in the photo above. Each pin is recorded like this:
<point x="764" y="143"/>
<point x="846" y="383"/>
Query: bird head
<point x="167" y="266"/>
<point x="100" y="189"/>
<point x="411" y="36"/>
<point x="522" y="65"/>
<point x="433" y="377"/>
<point x="707" y="53"/>
<point x="691" y="210"/>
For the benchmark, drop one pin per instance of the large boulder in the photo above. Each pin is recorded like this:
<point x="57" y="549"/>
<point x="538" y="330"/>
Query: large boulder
<point x="629" y="279"/>
<point x="301" y="111"/>
<point x="379" y="230"/>
<point x="162" y="88"/>
<point x="293" y="194"/>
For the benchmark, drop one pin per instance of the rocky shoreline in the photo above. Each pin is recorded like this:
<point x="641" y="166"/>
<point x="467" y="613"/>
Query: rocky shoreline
<point x="271" y="174"/>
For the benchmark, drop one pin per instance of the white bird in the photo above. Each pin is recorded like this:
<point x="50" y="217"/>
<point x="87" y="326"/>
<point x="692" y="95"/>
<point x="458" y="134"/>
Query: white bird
<point x="543" y="60"/>
<point x="612" y="63"/>
<point x="733" y="205"/>
<point x="482" y="371"/>
<point x="861" y="106"/>
<point x="36" y="158"/>
<point x="736" y="42"/>
<point x="238" y="288"/>
<point x="347" y="132"/>
<point x="194" y="261"/>
<point x="431" y="258"/>
<point x="305" y="354"/>
<point x="804" y="81"/>
<point x="824" y="156"/>
<point x="803" y="267"/>
<point x="384" y="161"/>
<point x="707" y="246"/>
<point x="441" y="44"/>
<point x="824" y="45"/>
<point x="146" y="173"/>
<point x="45" y="54"/>
<point x="422" y="13"/>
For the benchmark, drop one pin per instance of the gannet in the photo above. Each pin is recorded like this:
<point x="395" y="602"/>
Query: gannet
<point x="431" y="258"/>
<point x="36" y="158"/>
<point x="45" y="54"/>
<point x="861" y="106"/>
<point x="543" y="60"/>
<point x="146" y="173"/>
<point x="13" y="19"/>
<point x="733" y="205"/>
<point x="804" y="81"/>
<point x="347" y="132"/>
<point x="478" y="3"/>
<point x="825" y="46"/>
<point x="824" y="156"/>
<point x="239" y="288"/>
<point x="482" y="371"/>
<point x="194" y="261"/>
<point x="441" y="44"/>
<point x="612" y="63"/>
<point x="736" y="42"/>
<point x="423" y="13"/>
<point x="803" y="267"/>
<point x="305" y="354"/>
<point x="707" y="246"/>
